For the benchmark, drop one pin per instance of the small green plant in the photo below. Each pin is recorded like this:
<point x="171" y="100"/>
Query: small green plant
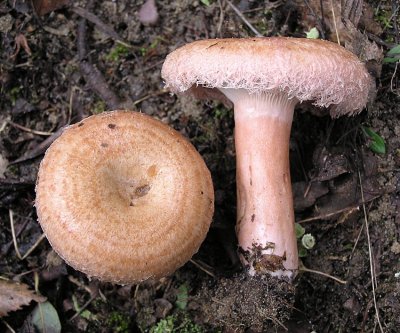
<point x="182" y="297"/>
<point x="305" y="241"/>
<point x="205" y="2"/>
<point x="179" y="323"/>
<point x="14" y="94"/>
<point x="117" y="52"/>
<point x="145" y="50"/>
<point x="99" y="107"/>
<point x="118" y="322"/>
<point x="376" y="142"/>
<point x="313" y="33"/>
<point x="384" y="17"/>
<point x="393" y="55"/>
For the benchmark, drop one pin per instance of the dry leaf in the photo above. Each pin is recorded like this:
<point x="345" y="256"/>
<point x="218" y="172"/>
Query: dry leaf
<point x="14" y="295"/>
<point x="20" y="41"/>
<point x="43" y="7"/>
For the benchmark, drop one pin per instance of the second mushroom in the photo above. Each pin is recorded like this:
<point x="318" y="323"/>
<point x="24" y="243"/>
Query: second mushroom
<point x="265" y="78"/>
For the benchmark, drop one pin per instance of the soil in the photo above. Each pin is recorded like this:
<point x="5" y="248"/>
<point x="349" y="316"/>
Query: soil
<point x="62" y="66"/>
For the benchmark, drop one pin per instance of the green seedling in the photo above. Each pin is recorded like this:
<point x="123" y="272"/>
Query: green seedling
<point x="376" y="142"/>
<point x="205" y="2"/>
<point x="182" y="297"/>
<point x="308" y="241"/>
<point x="393" y="55"/>
<point x="313" y="33"/>
<point x="305" y="241"/>
<point x="176" y="324"/>
<point x="117" y="52"/>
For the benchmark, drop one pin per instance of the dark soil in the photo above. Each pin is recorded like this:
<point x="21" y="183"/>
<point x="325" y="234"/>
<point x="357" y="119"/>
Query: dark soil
<point x="62" y="66"/>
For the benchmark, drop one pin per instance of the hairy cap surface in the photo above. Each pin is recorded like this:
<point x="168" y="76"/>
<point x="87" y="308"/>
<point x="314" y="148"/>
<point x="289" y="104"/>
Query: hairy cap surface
<point x="307" y="69"/>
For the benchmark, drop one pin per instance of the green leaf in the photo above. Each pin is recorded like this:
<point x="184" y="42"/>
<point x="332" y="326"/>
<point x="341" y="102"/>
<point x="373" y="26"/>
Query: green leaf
<point x="299" y="230"/>
<point x="377" y="143"/>
<point x="182" y="297"/>
<point x="394" y="50"/>
<point x="390" y="60"/>
<point x="205" y="2"/>
<point x="302" y="252"/>
<point x="308" y="241"/>
<point x="45" y="318"/>
<point x="313" y="33"/>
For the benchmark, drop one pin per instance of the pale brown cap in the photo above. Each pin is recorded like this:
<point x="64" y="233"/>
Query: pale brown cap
<point x="124" y="197"/>
<point x="307" y="69"/>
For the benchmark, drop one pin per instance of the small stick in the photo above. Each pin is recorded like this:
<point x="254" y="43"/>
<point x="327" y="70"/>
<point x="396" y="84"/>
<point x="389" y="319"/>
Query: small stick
<point x="303" y="268"/>
<point x="324" y="216"/>
<point x="334" y="23"/>
<point x="8" y="326"/>
<point x="26" y="129"/>
<point x="373" y="277"/>
<point x="103" y="27"/>
<point x="11" y="215"/>
<point x="32" y="248"/>
<point x="243" y="18"/>
<point x="202" y="268"/>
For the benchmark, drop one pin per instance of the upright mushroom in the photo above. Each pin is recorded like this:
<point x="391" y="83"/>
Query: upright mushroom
<point x="265" y="78"/>
<point x="124" y="197"/>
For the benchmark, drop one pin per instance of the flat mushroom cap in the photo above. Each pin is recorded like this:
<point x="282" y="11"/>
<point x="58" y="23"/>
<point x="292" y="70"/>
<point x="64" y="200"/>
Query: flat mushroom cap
<point x="124" y="197"/>
<point x="307" y="69"/>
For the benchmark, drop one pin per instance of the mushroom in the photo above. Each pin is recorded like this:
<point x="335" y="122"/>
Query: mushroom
<point x="265" y="78"/>
<point x="123" y="197"/>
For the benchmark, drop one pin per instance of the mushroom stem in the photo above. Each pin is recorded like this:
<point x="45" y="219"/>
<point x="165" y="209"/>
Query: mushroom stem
<point x="265" y="217"/>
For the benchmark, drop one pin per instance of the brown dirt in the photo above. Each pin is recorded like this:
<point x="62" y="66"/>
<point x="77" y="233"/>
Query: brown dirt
<point x="50" y="82"/>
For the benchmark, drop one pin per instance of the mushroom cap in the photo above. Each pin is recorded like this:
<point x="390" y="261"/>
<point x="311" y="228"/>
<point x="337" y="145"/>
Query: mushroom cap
<point x="307" y="69"/>
<point x="124" y="198"/>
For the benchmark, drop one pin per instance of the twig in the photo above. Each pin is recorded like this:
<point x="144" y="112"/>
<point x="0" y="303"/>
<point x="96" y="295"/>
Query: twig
<point x="324" y="216"/>
<point x="91" y="74"/>
<point x="82" y="308"/>
<point x="393" y="76"/>
<point x="79" y="284"/>
<point x="221" y="18"/>
<point x="334" y="22"/>
<point x="26" y="129"/>
<point x="303" y="268"/>
<point x="14" y="238"/>
<point x="97" y="82"/>
<point x="40" y="148"/>
<point x="103" y="27"/>
<point x="141" y="99"/>
<point x="202" y="268"/>
<point x="8" y="326"/>
<point x="31" y="249"/>
<point x="243" y="18"/>
<point x="373" y="278"/>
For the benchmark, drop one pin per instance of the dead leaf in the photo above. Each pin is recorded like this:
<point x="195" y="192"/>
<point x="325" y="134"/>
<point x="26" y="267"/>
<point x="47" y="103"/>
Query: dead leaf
<point x="329" y="163"/>
<point x="305" y="195"/>
<point x="43" y="7"/>
<point x="20" y="41"/>
<point x="14" y="295"/>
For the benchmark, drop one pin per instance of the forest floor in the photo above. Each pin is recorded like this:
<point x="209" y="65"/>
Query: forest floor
<point x="61" y="66"/>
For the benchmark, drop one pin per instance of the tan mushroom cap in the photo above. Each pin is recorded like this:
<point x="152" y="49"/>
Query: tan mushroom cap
<point x="307" y="69"/>
<point x="124" y="197"/>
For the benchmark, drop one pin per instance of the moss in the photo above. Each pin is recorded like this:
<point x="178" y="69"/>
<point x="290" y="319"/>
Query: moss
<point x="118" y="322"/>
<point x="117" y="52"/>
<point x="99" y="107"/>
<point x="178" y="323"/>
